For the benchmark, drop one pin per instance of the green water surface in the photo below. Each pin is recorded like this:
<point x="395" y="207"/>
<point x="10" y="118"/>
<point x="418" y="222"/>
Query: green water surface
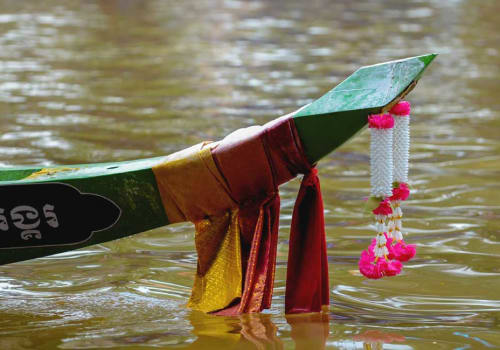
<point x="112" y="80"/>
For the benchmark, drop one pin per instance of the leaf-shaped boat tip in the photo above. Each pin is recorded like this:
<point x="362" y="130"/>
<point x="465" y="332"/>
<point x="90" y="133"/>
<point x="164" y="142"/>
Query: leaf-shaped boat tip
<point x="336" y="116"/>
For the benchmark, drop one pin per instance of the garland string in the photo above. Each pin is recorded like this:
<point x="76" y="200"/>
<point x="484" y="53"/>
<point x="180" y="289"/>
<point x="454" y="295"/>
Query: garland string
<point x="375" y="262"/>
<point x="389" y="164"/>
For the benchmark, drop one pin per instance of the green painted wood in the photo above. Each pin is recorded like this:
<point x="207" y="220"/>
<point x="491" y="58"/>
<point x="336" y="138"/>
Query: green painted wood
<point x="323" y="126"/>
<point x="131" y="185"/>
<point x="17" y="173"/>
<point x="336" y="116"/>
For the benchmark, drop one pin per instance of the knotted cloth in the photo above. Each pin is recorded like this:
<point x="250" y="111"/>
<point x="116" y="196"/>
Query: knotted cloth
<point x="229" y="190"/>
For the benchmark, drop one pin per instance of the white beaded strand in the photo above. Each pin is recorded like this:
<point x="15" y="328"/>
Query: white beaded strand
<point x="401" y="148"/>
<point x="381" y="162"/>
<point x="381" y="172"/>
<point x="401" y="154"/>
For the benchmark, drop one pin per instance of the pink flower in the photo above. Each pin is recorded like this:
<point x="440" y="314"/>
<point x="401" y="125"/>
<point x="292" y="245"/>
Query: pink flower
<point x="393" y="268"/>
<point x="401" y="108"/>
<point x="377" y="269"/>
<point x="401" y="193"/>
<point x="369" y="268"/>
<point x="380" y="121"/>
<point x="404" y="252"/>
<point x="384" y="208"/>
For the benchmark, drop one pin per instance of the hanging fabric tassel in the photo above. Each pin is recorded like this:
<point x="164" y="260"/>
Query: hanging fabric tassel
<point x="400" y="191"/>
<point x="376" y="262"/>
<point x="230" y="190"/>
<point x="307" y="272"/>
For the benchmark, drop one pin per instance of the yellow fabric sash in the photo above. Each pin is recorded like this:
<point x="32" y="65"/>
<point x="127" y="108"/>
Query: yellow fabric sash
<point x="192" y="189"/>
<point x="222" y="282"/>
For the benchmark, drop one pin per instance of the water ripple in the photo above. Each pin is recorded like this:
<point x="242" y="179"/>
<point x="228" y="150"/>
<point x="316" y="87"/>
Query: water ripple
<point x="117" y="80"/>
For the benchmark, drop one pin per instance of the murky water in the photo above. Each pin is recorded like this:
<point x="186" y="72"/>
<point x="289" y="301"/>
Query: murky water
<point x="112" y="80"/>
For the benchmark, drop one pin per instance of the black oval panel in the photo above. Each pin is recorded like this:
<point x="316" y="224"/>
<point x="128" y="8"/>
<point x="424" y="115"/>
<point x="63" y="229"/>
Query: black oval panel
<point x="51" y="214"/>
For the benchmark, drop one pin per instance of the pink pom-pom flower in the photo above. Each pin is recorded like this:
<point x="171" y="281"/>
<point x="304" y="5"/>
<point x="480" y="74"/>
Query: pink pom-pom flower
<point x="380" y="121"/>
<point x="373" y="268"/>
<point x="400" y="193"/>
<point x="401" y="108"/>
<point x="369" y="268"/>
<point x="384" y="208"/>
<point x="393" y="268"/>
<point x="402" y="251"/>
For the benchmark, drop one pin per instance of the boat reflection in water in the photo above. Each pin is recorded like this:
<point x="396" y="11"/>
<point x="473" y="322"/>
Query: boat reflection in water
<point x="257" y="331"/>
<point x="374" y="339"/>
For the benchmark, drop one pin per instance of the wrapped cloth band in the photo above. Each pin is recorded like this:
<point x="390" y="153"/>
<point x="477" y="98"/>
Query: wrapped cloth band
<point x="229" y="189"/>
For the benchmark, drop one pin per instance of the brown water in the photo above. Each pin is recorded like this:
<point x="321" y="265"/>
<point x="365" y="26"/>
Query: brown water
<point x="113" y="80"/>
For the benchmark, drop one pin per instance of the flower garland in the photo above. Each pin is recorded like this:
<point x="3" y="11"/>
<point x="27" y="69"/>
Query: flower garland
<point x="375" y="262"/>
<point x="400" y="192"/>
<point x="389" y="158"/>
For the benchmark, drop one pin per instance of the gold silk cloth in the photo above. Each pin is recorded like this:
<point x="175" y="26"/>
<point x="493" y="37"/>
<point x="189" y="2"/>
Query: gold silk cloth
<point x="192" y="189"/>
<point x="229" y="190"/>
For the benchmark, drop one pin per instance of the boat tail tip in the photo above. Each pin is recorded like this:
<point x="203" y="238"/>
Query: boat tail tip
<point x="336" y="116"/>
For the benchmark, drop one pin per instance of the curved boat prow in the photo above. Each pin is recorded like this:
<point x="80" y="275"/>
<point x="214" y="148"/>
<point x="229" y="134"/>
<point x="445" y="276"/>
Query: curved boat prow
<point x="336" y="116"/>
<point x="41" y="209"/>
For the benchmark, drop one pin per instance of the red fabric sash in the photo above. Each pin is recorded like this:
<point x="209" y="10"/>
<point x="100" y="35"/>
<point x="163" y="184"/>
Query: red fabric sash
<point x="307" y="271"/>
<point x="254" y="162"/>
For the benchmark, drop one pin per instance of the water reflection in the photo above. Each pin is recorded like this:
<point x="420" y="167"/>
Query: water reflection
<point x="252" y="331"/>
<point x="375" y="339"/>
<point x="126" y="8"/>
<point x="258" y="331"/>
<point x="309" y="331"/>
<point x="108" y="80"/>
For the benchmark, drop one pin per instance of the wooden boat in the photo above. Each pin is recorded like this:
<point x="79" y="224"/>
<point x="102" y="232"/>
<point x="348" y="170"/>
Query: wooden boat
<point x="49" y="211"/>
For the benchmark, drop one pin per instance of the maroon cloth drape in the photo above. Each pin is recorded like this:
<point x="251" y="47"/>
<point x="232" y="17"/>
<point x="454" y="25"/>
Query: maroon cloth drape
<point x="307" y="259"/>
<point x="254" y="162"/>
